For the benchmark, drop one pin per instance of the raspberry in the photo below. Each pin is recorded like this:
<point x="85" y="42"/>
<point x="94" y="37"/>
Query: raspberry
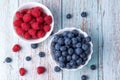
<point x="32" y="32"/>
<point x="19" y="15"/>
<point x="44" y="14"/>
<point x="41" y="34"/>
<point x="22" y="71"/>
<point x="48" y="19"/>
<point x="25" y="26"/>
<point x="35" y="13"/>
<point x="38" y="8"/>
<point x="39" y="19"/>
<point x="41" y="27"/>
<point x="32" y="21"/>
<point x="27" y="18"/>
<point x="17" y="23"/>
<point x="27" y="36"/>
<point x="34" y="37"/>
<point x="16" y="48"/>
<point x="40" y="70"/>
<point x="35" y="25"/>
<point x="24" y="11"/>
<point x="46" y="28"/>
<point x="20" y="31"/>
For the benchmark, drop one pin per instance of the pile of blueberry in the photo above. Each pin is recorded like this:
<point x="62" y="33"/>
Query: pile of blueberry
<point x="70" y="49"/>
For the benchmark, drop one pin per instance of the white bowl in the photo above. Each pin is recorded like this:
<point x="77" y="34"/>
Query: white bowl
<point x="85" y="34"/>
<point x="46" y="10"/>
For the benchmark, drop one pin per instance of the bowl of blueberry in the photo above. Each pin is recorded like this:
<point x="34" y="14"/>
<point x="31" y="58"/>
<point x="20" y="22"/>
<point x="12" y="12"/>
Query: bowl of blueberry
<point x="71" y="48"/>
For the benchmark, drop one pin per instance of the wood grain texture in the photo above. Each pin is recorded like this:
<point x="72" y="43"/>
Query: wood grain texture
<point x="102" y="24"/>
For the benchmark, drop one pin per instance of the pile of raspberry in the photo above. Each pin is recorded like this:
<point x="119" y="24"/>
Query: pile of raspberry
<point x="32" y="23"/>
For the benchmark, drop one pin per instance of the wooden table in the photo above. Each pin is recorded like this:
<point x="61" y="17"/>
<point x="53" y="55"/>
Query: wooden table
<point x="102" y="23"/>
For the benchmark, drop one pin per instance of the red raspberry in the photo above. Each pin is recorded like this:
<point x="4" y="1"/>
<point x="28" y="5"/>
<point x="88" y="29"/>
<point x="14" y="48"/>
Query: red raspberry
<point x="24" y="11"/>
<point x="38" y="8"/>
<point x="22" y="71"/>
<point x="40" y="34"/>
<point x="34" y="37"/>
<point x="16" y="48"/>
<point x="32" y="32"/>
<point x="35" y="25"/>
<point x="41" y="70"/>
<point x="25" y="26"/>
<point x="19" y="15"/>
<point x="44" y="14"/>
<point x="41" y="27"/>
<point x="40" y="19"/>
<point x="20" y="31"/>
<point x="27" y="18"/>
<point x="27" y="36"/>
<point x="33" y="20"/>
<point x="46" y="28"/>
<point x="17" y="23"/>
<point x="35" y="13"/>
<point x="48" y="19"/>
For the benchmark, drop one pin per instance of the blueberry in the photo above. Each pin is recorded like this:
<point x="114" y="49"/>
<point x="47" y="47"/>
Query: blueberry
<point x="57" y="46"/>
<point x="28" y="58"/>
<point x="78" y="45"/>
<point x="82" y="55"/>
<point x="70" y="35"/>
<point x="80" y="37"/>
<point x="56" y="58"/>
<point x="34" y="46"/>
<point x="53" y="44"/>
<point x="78" y="51"/>
<point x="62" y="65"/>
<point x="56" y="37"/>
<point x="60" y="41"/>
<point x="74" y="40"/>
<point x="68" y="16"/>
<point x="57" y="69"/>
<point x="57" y="53"/>
<point x="8" y="60"/>
<point x="85" y="58"/>
<point x="87" y="52"/>
<point x="65" y="33"/>
<point x="68" y="66"/>
<point x="70" y="51"/>
<point x="68" y="58"/>
<point x="75" y="57"/>
<point x="72" y="63"/>
<point x="79" y="61"/>
<point x="75" y="32"/>
<point x="64" y="53"/>
<point x="42" y="54"/>
<point x="84" y="14"/>
<point x="85" y="46"/>
<point x="67" y="41"/>
<point x="84" y="77"/>
<point x="83" y="62"/>
<point x="93" y="67"/>
<point x="88" y="39"/>
<point x="61" y="59"/>
<point x="63" y="48"/>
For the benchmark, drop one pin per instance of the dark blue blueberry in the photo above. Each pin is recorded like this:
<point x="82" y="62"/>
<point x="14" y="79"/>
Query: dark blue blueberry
<point x="69" y="58"/>
<point x="85" y="58"/>
<point x="83" y="62"/>
<point x="53" y="44"/>
<point x="84" y="14"/>
<point x="68" y="16"/>
<point x="57" y="69"/>
<point x="78" y="45"/>
<point x="72" y="63"/>
<point x="8" y="60"/>
<point x="84" y="77"/>
<point x="67" y="41"/>
<point x="93" y="67"/>
<point x="87" y="52"/>
<point x="70" y="51"/>
<point x="56" y="37"/>
<point x="60" y="41"/>
<point x="57" y="53"/>
<point x="74" y="40"/>
<point x="62" y="65"/>
<point x="88" y="39"/>
<point x="75" y="32"/>
<point x="56" y="58"/>
<point x="63" y="48"/>
<point x="42" y="54"/>
<point x="61" y="59"/>
<point x="75" y="57"/>
<point x="65" y="33"/>
<point x="70" y="35"/>
<point x="28" y="58"/>
<point x="34" y="46"/>
<point x="68" y="66"/>
<point x="57" y="46"/>
<point x="79" y="61"/>
<point x="80" y="37"/>
<point x="82" y="55"/>
<point x="85" y="46"/>
<point x="78" y="51"/>
<point x="64" y="53"/>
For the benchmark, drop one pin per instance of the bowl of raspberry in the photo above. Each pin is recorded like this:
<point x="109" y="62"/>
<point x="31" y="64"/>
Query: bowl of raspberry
<point x="33" y="22"/>
<point x="71" y="48"/>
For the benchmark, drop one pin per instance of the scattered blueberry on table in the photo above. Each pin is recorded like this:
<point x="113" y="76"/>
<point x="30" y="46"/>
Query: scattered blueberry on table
<point x="68" y="16"/>
<point x="8" y="60"/>
<point x="93" y="67"/>
<point x="84" y="14"/>
<point x="57" y="69"/>
<point x="28" y="58"/>
<point x="41" y="54"/>
<point x="84" y="77"/>
<point x="34" y="46"/>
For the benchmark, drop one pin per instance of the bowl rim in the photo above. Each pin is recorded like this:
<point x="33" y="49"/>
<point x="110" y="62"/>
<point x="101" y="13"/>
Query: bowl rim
<point x="46" y="9"/>
<point x="85" y="34"/>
